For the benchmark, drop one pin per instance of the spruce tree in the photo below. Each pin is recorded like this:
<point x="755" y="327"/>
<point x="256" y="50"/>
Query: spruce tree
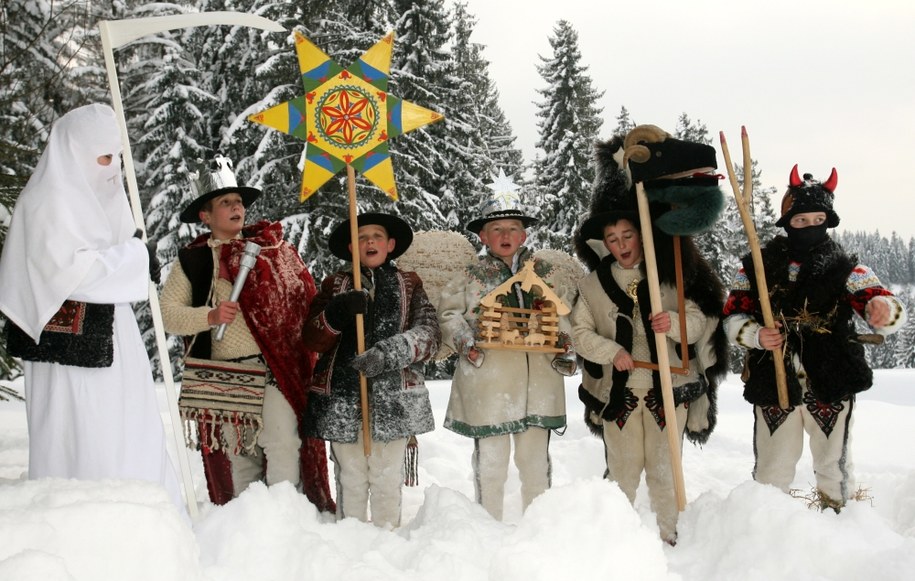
<point x="419" y="73"/>
<point x="569" y="123"/>
<point x="477" y="132"/>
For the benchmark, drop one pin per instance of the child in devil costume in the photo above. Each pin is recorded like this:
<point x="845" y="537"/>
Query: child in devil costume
<point x="401" y="333"/>
<point x="815" y="288"/>
<point x="264" y="326"/>
<point x="613" y="324"/>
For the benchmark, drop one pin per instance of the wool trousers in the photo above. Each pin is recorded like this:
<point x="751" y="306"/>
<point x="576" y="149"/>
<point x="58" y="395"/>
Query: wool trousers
<point x="641" y="445"/>
<point x="277" y="445"/>
<point x="377" y="480"/>
<point x="828" y="427"/>
<point x="490" y="467"/>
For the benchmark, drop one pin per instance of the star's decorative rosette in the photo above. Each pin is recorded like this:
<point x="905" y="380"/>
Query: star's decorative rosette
<point x="346" y="116"/>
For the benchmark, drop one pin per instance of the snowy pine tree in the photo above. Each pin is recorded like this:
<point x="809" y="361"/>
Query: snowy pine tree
<point x="419" y="73"/>
<point x="569" y="123"/>
<point x="477" y="132"/>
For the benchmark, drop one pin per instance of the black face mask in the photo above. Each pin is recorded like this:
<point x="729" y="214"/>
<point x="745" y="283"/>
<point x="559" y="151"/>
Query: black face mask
<point x="802" y="240"/>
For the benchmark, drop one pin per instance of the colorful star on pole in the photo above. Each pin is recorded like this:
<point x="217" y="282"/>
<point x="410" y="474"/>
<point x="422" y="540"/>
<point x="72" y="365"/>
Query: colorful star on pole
<point x="346" y="116"/>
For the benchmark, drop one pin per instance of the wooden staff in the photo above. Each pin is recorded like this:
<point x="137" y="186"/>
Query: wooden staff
<point x="667" y="390"/>
<point x="360" y="320"/>
<point x="743" y="205"/>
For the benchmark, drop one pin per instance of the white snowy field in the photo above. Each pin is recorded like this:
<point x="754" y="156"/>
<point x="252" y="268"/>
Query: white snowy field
<point x="582" y="528"/>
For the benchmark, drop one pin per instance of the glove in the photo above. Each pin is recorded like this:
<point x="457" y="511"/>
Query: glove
<point x="155" y="267"/>
<point x="342" y="309"/>
<point x="466" y="346"/>
<point x="564" y="365"/>
<point x="370" y="363"/>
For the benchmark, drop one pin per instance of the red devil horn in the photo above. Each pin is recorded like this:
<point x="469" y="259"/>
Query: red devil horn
<point x="830" y="184"/>
<point x="795" y="180"/>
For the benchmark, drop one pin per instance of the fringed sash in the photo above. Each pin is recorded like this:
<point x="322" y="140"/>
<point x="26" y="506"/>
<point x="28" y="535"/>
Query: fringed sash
<point x="219" y="394"/>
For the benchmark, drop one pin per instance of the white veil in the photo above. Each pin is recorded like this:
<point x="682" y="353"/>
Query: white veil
<point x="71" y="208"/>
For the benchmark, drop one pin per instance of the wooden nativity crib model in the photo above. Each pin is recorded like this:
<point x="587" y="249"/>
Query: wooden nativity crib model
<point x="533" y="329"/>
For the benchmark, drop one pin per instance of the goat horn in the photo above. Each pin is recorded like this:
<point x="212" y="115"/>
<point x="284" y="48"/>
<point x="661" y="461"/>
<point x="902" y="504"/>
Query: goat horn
<point x="649" y="133"/>
<point x="637" y="153"/>
<point x="830" y="184"/>
<point x="795" y="180"/>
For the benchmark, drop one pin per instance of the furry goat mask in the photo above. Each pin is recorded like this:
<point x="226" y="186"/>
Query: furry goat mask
<point x="684" y="198"/>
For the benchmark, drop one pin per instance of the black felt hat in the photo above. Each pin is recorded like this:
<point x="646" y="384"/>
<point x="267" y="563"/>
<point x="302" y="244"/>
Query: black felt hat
<point x="213" y="180"/>
<point x="809" y="195"/>
<point x="397" y="228"/>
<point x="593" y="227"/>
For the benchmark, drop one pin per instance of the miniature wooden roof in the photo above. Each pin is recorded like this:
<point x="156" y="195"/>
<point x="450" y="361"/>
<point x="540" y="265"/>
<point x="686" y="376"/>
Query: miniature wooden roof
<point x="528" y="279"/>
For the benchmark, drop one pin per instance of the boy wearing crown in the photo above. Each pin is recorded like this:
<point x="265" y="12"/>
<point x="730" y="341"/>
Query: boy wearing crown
<point x="815" y="290"/>
<point x="501" y="397"/>
<point x="263" y="325"/>
<point x="401" y="334"/>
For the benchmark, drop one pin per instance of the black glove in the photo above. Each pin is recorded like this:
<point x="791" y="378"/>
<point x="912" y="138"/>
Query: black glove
<point x="370" y="363"/>
<point x="155" y="267"/>
<point x="342" y="309"/>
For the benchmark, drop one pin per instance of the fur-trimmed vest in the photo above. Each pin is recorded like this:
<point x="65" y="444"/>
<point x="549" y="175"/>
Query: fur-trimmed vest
<point x="819" y="325"/>
<point x="402" y="322"/>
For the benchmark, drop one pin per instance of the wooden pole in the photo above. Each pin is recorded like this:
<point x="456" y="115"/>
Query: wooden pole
<point x="360" y="320"/>
<point x="667" y="391"/>
<point x="743" y="205"/>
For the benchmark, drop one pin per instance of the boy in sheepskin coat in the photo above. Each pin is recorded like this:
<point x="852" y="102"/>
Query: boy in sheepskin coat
<point x="816" y="288"/>
<point x="401" y="332"/>
<point x="501" y="396"/>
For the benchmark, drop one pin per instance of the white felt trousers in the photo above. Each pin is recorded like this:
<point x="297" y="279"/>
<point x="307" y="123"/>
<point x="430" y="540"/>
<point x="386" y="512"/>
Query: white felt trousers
<point x="779" y="442"/>
<point x="641" y="445"/>
<point x="490" y="467"/>
<point x="278" y="443"/>
<point x="377" y="480"/>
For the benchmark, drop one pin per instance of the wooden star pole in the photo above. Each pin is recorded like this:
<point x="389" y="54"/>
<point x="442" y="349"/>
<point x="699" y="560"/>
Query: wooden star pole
<point x="360" y="319"/>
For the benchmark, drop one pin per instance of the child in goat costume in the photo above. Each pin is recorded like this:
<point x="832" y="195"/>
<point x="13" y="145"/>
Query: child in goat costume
<point x="613" y="323"/>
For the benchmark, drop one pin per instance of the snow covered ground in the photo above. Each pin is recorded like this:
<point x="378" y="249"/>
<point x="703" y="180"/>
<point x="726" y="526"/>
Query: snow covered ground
<point x="582" y="528"/>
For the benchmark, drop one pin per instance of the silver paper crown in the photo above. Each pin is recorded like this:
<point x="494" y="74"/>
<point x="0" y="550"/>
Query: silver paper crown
<point x="214" y="175"/>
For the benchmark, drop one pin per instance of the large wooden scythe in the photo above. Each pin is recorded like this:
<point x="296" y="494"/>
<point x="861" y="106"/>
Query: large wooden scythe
<point x="743" y="205"/>
<point x="114" y="34"/>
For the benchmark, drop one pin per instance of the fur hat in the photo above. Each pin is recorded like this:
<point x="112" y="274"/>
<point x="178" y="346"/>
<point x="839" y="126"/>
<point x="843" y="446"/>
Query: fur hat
<point x="211" y="180"/>
<point x="503" y="204"/>
<point x="809" y="195"/>
<point x="397" y="228"/>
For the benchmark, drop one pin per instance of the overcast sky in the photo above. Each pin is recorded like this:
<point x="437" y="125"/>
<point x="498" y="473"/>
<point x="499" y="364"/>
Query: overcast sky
<point x="818" y="83"/>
